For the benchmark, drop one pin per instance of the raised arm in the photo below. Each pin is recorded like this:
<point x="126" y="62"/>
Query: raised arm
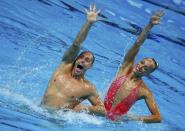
<point x="130" y="56"/>
<point x="74" y="49"/>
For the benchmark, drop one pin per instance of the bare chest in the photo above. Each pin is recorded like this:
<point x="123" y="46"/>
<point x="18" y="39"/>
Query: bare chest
<point x="70" y="87"/>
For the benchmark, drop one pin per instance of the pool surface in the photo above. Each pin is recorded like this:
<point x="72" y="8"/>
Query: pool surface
<point x="35" y="33"/>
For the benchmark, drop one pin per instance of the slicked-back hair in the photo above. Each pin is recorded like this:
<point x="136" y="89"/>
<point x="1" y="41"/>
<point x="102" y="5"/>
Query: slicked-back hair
<point x="155" y="63"/>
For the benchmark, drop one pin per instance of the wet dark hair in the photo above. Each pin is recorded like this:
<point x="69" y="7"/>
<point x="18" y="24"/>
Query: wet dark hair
<point x="84" y="53"/>
<point x="155" y="63"/>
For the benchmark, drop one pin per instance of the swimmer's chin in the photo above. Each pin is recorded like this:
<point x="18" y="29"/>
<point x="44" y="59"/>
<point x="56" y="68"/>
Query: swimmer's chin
<point x="136" y="74"/>
<point x="78" y="72"/>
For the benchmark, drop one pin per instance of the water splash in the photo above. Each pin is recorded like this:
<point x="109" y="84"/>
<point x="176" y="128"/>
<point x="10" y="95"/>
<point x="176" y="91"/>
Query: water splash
<point x="23" y="104"/>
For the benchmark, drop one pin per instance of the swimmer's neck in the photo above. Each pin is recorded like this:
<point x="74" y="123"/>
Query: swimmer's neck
<point x="76" y="76"/>
<point x="134" y="77"/>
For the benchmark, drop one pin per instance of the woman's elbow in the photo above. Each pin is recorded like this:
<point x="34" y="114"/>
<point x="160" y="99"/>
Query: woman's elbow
<point x="158" y="118"/>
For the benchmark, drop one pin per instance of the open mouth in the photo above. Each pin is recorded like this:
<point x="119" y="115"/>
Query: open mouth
<point x="138" y="69"/>
<point x="80" y="67"/>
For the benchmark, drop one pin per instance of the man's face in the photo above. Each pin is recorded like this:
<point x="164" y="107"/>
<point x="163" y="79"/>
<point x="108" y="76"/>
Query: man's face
<point x="83" y="63"/>
<point x="144" y="67"/>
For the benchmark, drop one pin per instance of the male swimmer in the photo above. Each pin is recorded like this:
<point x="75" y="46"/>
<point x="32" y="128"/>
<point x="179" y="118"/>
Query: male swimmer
<point x="68" y="87"/>
<point x="128" y="86"/>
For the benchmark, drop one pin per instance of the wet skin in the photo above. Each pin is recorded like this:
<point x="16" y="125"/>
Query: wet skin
<point x="68" y="87"/>
<point x="135" y="73"/>
<point x="143" y="68"/>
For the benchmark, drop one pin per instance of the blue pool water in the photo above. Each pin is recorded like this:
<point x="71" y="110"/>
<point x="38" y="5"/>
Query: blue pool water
<point x="35" y="33"/>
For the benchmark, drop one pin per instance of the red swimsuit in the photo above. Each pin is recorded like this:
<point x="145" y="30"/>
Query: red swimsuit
<point x="123" y="107"/>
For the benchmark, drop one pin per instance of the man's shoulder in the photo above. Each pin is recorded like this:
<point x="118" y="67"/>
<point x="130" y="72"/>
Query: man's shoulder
<point x="91" y="88"/>
<point x="88" y="84"/>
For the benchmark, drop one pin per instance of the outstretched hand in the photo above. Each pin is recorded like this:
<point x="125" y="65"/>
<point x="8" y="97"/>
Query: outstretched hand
<point x="92" y="14"/>
<point x="155" y="19"/>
